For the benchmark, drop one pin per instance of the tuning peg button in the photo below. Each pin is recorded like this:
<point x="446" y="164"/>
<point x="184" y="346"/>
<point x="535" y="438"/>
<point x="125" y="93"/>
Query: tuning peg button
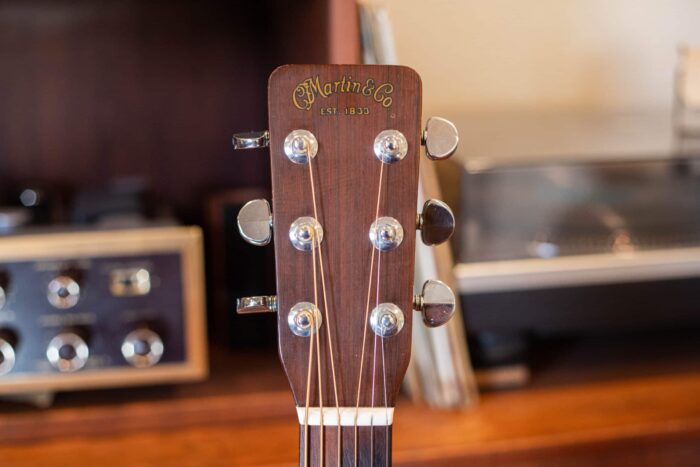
<point x="436" y="303"/>
<point x="251" y="140"/>
<point x="259" y="304"/>
<point x="255" y="222"/>
<point x="440" y="138"/>
<point x="436" y="222"/>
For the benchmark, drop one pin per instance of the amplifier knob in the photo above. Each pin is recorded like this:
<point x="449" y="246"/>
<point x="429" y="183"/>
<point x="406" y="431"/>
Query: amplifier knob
<point x="63" y="292"/>
<point x="142" y="348"/>
<point x="7" y="354"/>
<point x="67" y="352"/>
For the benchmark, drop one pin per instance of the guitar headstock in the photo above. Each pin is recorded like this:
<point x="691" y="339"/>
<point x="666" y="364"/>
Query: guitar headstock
<point x="344" y="146"/>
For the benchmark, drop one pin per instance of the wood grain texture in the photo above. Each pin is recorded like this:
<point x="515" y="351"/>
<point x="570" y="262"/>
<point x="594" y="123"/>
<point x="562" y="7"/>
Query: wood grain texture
<point x="642" y="421"/>
<point x="345" y="112"/>
<point x="373" y="446"/>
<point x="346" y="174"/>
<point x="122" y="88"/>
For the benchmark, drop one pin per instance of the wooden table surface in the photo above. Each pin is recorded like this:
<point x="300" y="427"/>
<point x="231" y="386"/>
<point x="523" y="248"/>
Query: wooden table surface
<point x="630" y="419"/>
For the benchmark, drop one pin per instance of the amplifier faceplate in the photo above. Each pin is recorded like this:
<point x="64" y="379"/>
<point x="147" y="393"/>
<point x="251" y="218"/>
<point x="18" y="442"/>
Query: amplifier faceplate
<point x="102" y="308"/>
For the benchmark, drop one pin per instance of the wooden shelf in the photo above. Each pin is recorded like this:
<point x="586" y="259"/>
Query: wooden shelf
<point x="647" y="413"/>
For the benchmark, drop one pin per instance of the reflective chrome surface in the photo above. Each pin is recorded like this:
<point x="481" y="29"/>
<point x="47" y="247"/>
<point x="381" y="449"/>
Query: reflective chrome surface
<point x="561" y="209"/>
<point x="142" y="348"/>
<point x="255" y="222"/>
<point x="63" y="292"/>
<point x="303" y="318"/>
<point x="436" y="222"/>
<point x="299" y="145"/>
<point x="3" y="297"/>
<point x="251" y="140"/>
<point x="7" y="356"/>
<point x="67" y="352"/>
<point x="386" y="320"/>
<point x="390" y="146"/>
<point x="436" y="303"/>
<point x="258" y="304"/>
<point x="386" y="233"/>
<point x="302" y="233"/>
<point x="440" y="138"/>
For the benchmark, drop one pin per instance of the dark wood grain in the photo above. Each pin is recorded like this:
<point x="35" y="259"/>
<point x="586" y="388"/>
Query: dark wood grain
<point x="346" y="174"/>
<point x="93" y="91"/>
<point x="373" y="446"/>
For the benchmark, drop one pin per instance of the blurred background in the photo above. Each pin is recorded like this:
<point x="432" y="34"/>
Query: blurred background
<point x="576" y="255"/>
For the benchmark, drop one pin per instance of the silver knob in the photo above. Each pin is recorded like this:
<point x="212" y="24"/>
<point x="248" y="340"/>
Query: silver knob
<point x="436" y="222"/>
<point x="7" y="355"/>
<point x="63" y="292"/>
<point x="305" y="233"/>
<point x="304" y="319"/>
<point x="142" y="348"/>
<point x="251" y="140"/>
<point x="440" y="138"/>
<point x="436" y="303"/>
<point x="300" y="146"/>
<point x="386" y="233"/>
<point x="259" y="304"/>
<point x="255" y="222"/>
<point x="390" y="146"/>
<point x="386" y="320"/>
<point x="67" y="352"/>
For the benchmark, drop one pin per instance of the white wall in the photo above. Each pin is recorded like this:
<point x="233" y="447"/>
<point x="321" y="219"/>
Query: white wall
<point x="478" y="55"/>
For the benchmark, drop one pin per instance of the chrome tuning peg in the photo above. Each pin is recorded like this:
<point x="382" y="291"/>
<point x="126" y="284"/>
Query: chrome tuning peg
<point x="251" y="140"/>
<point x="436" y="222"/>
<point x="440" y="138"/>
<point x="255" y="222"/>
<point x="260" y="304"/>
<point x="436" y="303"/>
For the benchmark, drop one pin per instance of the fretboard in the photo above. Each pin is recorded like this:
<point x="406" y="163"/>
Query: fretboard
<point x="373" y="447"/>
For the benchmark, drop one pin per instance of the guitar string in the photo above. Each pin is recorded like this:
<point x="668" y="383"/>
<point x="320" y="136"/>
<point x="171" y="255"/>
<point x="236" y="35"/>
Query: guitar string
<point x="315" y="330"/>
<point x="386" y="406"/>
<point x="374" y="358"/>
<point x="330" y="354"/>
<point x="308" y="393"/>
<point x="326" y="312"/>
<point x="371" y="420"/>
<point x="366" y="320"/>
<point x="386" y="403"/>
<point x="312" y="338"/>
<point x="379" y="268"/>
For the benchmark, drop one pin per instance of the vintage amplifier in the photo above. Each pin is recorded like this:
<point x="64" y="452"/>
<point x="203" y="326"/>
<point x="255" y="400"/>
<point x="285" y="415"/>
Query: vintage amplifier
<point x="89" y="308"/>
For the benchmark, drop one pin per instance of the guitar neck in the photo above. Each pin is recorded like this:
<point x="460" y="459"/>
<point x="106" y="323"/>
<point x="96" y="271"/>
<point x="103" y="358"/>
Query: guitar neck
<point x="373" y="446"/>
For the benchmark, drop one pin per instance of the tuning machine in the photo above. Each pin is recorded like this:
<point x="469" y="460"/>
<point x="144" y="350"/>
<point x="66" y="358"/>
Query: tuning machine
<point x="255" y="222"/>
<point x="259" y="304"/>
<point x="440" y="138"/>
<point x="251" y="140"/>
<point x="436" y="303"/>
<point x="435" y="222"/>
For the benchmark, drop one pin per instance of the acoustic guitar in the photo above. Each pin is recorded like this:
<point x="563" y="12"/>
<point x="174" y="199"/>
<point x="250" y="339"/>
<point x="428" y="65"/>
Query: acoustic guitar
<point x="344" y="145"/>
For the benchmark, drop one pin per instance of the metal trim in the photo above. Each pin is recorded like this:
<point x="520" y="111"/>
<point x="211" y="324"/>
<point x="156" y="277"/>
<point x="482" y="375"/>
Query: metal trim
<point x="572" y="271"/>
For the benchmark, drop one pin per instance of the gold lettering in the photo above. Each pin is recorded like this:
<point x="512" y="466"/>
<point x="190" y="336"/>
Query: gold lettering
<point x="306" y="92"/>
<point x="368" y="87"/>
<point x="381" y="94"/>
<point x="302" y="97"/>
